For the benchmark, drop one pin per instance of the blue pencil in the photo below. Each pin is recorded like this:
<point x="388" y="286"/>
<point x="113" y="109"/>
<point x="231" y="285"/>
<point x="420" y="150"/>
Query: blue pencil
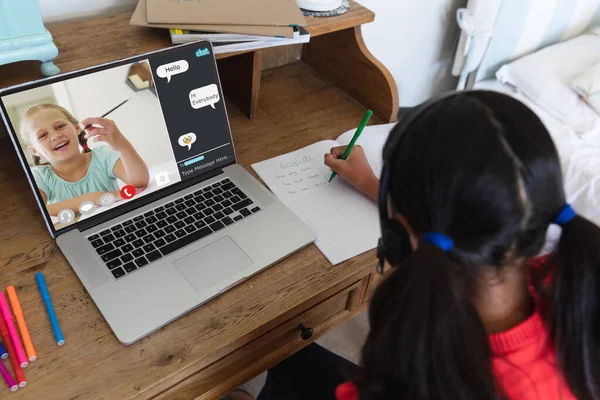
<point x="3" y="352"/>
<point x="49" y="309"/>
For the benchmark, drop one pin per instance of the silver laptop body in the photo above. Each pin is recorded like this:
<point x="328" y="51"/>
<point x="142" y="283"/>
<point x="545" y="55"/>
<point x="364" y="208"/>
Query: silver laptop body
<point x="140" y="288"/>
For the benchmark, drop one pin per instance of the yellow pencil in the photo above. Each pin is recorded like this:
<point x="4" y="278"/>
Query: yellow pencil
<point x="18" y="312"/>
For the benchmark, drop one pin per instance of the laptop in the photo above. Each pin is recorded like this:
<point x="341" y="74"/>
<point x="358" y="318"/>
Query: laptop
<point x="134" y="169"/>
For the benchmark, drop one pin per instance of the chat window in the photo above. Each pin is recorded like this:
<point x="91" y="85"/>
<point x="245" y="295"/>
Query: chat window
<point x="193" y="108"/>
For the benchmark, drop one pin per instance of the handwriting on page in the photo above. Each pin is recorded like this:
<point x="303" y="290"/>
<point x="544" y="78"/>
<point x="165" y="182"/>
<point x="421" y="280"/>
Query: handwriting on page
<point x="299" y="175"/>
<point x="300" y="181"/>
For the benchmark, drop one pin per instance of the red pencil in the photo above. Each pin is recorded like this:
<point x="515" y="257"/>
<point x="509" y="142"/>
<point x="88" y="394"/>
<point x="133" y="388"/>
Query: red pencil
<point x="12" y="354"/>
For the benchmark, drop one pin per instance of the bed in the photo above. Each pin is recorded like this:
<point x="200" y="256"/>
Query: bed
<point x="580" y="155"/>
<point x="497" y="32"/>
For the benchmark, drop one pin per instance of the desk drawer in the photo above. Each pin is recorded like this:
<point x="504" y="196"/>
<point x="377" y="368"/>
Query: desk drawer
<point x="374" y="280"/>
<point x="267" y="350"/>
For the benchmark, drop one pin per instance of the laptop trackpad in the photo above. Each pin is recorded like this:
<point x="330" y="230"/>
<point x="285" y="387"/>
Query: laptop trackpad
<point x="212" y="264"/>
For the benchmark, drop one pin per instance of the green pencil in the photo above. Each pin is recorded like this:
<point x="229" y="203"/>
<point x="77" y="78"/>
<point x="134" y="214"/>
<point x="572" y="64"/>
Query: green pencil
<point x="359" y="130"/>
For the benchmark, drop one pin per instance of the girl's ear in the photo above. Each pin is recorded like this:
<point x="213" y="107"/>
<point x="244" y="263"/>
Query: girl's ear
<point x="33" y="151"/>
<point x="35" y="154"/>
<point x="414" y="239"/>
<point x="392" y="213"/>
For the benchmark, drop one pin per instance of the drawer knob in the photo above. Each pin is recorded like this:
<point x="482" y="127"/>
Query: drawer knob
<point x="306" y="332"/>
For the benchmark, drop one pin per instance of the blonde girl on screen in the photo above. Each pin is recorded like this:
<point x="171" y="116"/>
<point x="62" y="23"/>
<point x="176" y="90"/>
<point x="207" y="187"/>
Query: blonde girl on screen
<point x="73" y="172"/>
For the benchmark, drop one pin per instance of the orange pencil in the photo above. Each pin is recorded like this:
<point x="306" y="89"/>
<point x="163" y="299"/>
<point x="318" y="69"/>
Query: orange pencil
<point x="18" y="312"/>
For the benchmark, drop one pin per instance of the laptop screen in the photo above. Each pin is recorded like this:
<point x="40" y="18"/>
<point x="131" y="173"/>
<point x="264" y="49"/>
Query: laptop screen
<point x="97" y="139"/>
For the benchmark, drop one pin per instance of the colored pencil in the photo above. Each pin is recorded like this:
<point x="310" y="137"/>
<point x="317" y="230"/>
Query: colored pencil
<point x="18" y="312"/>
<point x="12" y="331"/>
<point x="39" y="277"/>
<point x="12" y="354"/>
<point x="12" y="385"/>
<point x="359" y="130"/>
<point x="3" y="352"/>
<point x="108" y="112"/>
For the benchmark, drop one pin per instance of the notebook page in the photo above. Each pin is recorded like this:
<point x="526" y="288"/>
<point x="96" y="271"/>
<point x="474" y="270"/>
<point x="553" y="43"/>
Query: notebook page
<point x="372" y="140"/>
<point x="346" y="222"/>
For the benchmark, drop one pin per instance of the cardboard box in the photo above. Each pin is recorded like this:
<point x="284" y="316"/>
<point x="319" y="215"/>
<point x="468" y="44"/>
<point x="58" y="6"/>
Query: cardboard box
<point x="139" y="19"/>
<point x="226" y="12"/>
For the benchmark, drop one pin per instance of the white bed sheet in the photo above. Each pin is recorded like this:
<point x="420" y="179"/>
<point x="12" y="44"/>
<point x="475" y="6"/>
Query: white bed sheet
<point x="579" y="153"/>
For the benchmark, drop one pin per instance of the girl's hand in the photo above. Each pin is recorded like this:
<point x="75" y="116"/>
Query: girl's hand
<point x="107" y="132"/>
<point x="355" y="169"/>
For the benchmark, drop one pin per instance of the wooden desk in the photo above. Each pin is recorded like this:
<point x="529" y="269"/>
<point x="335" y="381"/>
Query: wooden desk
<point x="221" y="344"/>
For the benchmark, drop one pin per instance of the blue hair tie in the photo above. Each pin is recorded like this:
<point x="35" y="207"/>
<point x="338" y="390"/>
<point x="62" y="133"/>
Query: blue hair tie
<point x="565" y="215"/>
<point x="440" y="240"/>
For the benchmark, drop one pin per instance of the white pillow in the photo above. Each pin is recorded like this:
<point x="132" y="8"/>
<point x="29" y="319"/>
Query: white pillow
<point x="553" y="96"/>
<point x="564" y="60"/>
<point x="587" y="85"/>
<point x="543" y="76"/>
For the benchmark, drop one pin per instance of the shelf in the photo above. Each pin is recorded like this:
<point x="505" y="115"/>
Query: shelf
<point x="96" y="41"/>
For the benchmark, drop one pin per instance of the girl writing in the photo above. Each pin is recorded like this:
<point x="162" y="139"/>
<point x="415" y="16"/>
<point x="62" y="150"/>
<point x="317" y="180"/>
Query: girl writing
<point x="467" y="311"/>
<point x="73" y="176"/>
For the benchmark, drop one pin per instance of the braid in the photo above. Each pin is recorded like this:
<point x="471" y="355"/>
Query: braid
<point x="83" y="142"/>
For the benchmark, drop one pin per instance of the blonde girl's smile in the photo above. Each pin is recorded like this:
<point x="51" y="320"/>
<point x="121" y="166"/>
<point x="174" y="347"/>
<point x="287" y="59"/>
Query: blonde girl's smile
<point x="53" y="136"/>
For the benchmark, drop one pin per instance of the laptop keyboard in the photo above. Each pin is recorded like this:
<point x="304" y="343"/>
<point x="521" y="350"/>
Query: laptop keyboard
<point x="148" y="237"/>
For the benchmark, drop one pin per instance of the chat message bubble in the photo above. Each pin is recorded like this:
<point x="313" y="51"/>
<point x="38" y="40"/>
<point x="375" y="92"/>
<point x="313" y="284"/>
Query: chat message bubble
<point x="187" y="140"/>
<point x="174" y="68"/>
<point x="205" y="96"/>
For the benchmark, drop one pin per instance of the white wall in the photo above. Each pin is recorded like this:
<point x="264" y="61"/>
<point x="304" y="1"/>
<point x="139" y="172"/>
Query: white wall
<point x="415" y="39"/>
<point x="17" y="104"/>
<point x="140" y="119"/>
<point x="60" y="10"/>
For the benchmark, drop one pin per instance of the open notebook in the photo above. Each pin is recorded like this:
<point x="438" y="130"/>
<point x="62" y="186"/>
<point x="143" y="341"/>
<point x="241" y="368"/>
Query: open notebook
<point x="346" y="222"/>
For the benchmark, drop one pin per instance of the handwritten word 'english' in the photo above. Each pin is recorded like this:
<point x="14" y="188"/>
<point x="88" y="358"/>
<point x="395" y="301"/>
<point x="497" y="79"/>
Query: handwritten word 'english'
<point x="295" y="162"/>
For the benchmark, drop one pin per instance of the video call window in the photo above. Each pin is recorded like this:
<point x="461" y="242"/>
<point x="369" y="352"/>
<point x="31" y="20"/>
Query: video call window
<point x="96" y="141"/>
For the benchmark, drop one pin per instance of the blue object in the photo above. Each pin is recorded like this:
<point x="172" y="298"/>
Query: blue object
<point x="565" y="215"/>
<point x="440" y="240"/>
<point x="193" y="160"/>
<point x="24" y="37"/>
<point x="49" y="309"/>
<point x="3" y="352"/>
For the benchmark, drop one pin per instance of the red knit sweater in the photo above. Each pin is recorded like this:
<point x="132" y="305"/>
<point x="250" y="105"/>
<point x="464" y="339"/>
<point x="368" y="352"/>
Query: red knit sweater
<point x="523" y="362"/>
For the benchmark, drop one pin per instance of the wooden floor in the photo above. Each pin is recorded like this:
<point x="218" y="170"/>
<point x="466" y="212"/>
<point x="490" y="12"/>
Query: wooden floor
<point x="84" y="367"/>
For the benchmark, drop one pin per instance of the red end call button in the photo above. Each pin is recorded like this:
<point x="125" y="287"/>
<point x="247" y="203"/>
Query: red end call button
<point x="127" y="191"/>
